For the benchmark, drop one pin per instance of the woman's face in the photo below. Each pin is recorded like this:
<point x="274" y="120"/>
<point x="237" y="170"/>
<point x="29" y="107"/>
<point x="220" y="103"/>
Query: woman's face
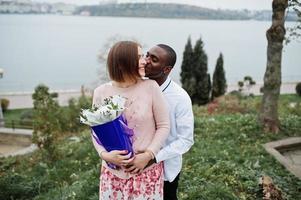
<point x="142" y="62"/>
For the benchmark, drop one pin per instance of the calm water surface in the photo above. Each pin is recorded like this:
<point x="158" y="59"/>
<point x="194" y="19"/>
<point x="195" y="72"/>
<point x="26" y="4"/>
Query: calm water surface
<point x="61" y="51"/>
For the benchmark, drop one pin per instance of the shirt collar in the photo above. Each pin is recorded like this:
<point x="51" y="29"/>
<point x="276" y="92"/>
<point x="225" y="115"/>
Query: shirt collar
<point x="165" y="84"/>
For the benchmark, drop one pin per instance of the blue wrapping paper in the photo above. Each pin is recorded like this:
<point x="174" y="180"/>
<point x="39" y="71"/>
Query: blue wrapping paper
<point x="114" y="135"/>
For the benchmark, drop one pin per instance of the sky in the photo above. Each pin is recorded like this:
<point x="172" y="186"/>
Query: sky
<point x="223" y="4"/>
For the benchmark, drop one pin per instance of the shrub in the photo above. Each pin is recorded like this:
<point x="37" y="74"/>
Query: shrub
<point x="70" y="115"/>
<point x="14" y="185"/>
<point x="4" y="104"/>
<point x="298" y="88"/>
<point x="46" y="114"/>
<point x="246" y="85"/>
<point x="230" y="104"/>
<point x="236" y="93"/>
<point x="293" y="108"/>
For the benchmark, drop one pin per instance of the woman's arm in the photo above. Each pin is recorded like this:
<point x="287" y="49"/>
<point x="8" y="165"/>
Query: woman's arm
<point x="116" y="157"/>
<point x="162" y="124"/>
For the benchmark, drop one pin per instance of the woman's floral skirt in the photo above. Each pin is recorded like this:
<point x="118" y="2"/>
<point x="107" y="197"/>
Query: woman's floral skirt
<point x="146" y="185"/>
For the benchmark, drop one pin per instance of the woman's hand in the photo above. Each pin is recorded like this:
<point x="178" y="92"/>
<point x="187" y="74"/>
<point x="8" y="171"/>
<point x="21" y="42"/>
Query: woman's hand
<point x="138" y="163"/>
<point x="116" y="157"/>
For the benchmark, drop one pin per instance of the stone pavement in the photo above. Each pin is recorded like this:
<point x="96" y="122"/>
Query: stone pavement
<point x="15" y="142"/>
<point x="288" y="153"/>
<point x="294" y="156"/>
<point x="16" y="131"/>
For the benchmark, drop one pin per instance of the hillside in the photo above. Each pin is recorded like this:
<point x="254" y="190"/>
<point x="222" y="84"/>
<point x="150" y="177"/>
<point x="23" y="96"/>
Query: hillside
<point x="159" y="10"/>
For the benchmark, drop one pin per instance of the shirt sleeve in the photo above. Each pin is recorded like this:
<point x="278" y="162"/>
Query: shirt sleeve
<point x="161" y="117"/>
<point x="184" y="123"/>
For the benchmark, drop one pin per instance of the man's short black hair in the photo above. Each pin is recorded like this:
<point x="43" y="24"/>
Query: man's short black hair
<point x="172" y="56"/>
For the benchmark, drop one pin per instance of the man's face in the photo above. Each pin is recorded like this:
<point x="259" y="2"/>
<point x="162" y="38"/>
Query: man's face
<point x="155" y="62"/>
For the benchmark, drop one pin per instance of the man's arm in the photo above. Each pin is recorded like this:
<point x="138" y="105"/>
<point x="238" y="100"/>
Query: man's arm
<point x="184" y="130"/>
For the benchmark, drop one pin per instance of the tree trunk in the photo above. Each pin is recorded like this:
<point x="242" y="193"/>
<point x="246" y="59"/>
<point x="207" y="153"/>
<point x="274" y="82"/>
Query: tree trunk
<point x="272" y="78"/>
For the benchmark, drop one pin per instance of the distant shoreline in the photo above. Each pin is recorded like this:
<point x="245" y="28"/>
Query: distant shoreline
<point x="20" y="100"/>
<point x="151" y="17"/>
<point x="140" y="9"/>
<point x="31" y="92"/>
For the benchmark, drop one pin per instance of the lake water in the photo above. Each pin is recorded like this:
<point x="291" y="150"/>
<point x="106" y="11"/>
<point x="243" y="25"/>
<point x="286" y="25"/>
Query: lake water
<point x="61" y="51"/>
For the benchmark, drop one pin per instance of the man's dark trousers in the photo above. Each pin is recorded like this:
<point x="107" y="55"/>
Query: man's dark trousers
<point x="170" y="189"/>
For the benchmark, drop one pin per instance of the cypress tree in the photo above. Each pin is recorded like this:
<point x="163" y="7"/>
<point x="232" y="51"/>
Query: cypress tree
<point x="194" y="77"/>
<point x="186" y="68"/>
<point x="202" y="87"/>
<point x="219" y="85"/>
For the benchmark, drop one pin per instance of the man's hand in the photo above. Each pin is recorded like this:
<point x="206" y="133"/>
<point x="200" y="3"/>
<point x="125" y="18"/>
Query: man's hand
<point x="152" y="161"/>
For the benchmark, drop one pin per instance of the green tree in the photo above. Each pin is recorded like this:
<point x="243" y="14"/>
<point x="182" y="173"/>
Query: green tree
<point x="186" y="69"/>
<point x="294" y="32"/>
<point x="219" y="85"/>
<point x="46" y="126"/>
<point x="194" y="77"/>
<point x="201" y="95"/>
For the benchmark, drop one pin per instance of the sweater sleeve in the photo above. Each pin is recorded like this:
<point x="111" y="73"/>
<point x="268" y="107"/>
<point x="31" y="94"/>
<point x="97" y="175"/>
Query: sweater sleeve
<point x="161" y="117"/>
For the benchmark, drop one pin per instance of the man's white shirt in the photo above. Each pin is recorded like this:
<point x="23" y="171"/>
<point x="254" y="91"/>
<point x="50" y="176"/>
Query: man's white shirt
<point x="180" y="138"/>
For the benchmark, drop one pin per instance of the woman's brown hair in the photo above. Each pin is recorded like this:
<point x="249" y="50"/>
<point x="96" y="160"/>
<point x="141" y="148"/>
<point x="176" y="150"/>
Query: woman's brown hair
<point x="123" y="61"/>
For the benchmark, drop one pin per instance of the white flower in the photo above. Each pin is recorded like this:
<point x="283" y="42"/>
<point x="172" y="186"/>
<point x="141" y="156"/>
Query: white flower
<point x="112" y="107"/>
<point x="88" y="117"/>
<point x="119" y="102"/>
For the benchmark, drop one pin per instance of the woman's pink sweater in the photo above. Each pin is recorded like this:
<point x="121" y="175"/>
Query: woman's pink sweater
<point x="146" y="113"/>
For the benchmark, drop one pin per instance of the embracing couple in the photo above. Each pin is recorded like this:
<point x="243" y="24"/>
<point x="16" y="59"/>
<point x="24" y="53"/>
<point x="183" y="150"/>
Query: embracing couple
<point x="160" y="114"/>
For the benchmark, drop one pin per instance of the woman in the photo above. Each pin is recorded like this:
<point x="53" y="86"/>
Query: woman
<point x="146" y="114"/>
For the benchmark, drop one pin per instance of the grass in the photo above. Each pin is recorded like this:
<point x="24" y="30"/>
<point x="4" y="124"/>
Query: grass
<point x="14" y="114"/>
<point x="74" y="175"/>
<point x="21" y="118"/>
<point x="228" y="159"/>
<point x="13" y="118"/>
<point x="225" y="162"/>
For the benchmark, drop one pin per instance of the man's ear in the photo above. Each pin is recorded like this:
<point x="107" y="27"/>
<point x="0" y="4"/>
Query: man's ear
<point x="167" y="69"/>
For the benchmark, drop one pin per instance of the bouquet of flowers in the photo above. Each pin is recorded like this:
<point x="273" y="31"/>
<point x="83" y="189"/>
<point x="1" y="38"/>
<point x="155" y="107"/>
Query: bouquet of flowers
<point x="109" y="126"/>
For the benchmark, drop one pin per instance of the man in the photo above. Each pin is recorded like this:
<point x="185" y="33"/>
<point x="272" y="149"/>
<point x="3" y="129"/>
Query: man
<point x="160" y="60"/>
